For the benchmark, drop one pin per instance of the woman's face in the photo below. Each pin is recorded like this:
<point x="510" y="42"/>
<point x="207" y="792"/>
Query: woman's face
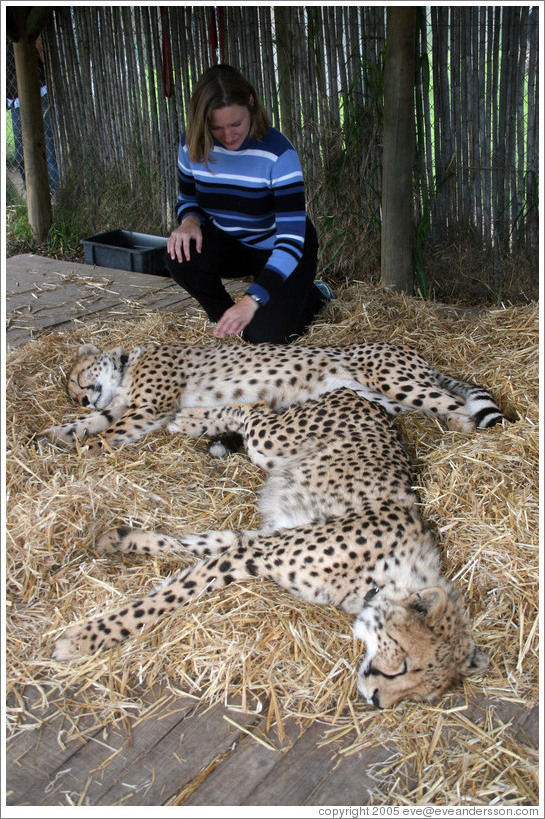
<point x="230" y="125"/>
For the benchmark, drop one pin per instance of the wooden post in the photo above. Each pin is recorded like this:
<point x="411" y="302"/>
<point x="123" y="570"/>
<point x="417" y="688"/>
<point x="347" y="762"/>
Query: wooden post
<point x="32" y="124"/>
<point x="397" y="238"/>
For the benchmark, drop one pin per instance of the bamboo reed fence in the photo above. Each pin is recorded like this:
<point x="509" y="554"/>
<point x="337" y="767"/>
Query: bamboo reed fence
<point x="120" y="79"/>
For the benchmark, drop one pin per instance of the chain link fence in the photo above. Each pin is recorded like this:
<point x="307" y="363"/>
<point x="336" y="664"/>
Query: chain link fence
<point x="15" y="161"/>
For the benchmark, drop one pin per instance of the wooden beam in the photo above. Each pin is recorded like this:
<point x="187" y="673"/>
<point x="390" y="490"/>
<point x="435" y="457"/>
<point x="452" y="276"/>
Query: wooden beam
<point x="284" y="50"/>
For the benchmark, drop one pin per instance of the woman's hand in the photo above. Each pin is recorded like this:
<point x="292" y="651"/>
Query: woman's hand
<point x="180" y="239"/>
<point x="236" y="318"/>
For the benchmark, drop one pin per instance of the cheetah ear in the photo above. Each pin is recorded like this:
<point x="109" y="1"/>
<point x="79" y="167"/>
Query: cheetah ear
<point x="87" y="349"/>
<point x="118" y="356"/>
<point x="476" y="663"/>
<point x="430" y="603"/>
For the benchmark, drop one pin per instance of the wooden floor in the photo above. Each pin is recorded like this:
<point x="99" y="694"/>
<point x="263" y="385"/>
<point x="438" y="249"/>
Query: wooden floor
<point x="177" y="752"/>
<point x="45" y="294"/>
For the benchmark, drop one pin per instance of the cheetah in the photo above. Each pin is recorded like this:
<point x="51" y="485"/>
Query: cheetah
<point x="340" y="527"/>
<point x="134" y="392"/>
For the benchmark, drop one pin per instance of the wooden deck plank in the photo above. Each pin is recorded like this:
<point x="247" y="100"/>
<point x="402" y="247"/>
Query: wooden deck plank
<point x="43" y="294"/>
<point x="36" y="755"/>
<point x="303" y="773"/>
<point x="348" y="782"/>
<point x="29" y="271"/>
<point x="98" y="765"/>
<point x="308" y="776"/>
<point x="232" y="782"/>
<point x="142" y="761"/>
<point x="177" y="754"/>
<point x="149" y="772"/>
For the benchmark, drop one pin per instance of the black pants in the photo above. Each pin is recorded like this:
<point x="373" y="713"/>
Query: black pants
<point x="284" y="317"/>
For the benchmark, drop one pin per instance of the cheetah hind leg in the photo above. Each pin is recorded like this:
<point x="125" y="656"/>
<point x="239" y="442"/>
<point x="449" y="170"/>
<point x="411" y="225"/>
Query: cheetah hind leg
<point x="389" y="405"/>
<point x="462" y="406"/>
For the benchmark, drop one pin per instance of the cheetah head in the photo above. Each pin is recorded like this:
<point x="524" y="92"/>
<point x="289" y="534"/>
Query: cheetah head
<point x="95" y="376"/>
<point x="417" y="647"/>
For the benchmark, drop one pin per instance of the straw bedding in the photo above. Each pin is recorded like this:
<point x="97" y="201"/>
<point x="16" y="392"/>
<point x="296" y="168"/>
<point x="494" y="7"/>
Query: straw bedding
<point x="252" y="640"/>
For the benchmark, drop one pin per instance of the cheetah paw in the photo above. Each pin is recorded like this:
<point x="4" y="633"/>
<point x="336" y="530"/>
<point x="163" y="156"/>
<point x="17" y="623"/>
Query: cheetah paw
<point x="74" y="643"/>
<point x="58" y="437"/>
<point x="177" y="425"/>
<point x="93" y="446"/>
<point x="459" y="422"/>
<point x="108" y="543"/>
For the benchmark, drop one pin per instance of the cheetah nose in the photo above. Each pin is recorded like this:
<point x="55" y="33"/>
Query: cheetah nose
<point x="375" y="699"/>
<point x="85" y="401"/>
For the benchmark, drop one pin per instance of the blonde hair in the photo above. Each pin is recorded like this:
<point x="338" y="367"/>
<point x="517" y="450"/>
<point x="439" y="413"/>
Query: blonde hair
<point x="218" y="87"/>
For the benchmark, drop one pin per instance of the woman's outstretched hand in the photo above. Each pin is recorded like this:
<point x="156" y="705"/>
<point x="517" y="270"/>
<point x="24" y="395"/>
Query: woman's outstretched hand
<point x="236" y="318"/>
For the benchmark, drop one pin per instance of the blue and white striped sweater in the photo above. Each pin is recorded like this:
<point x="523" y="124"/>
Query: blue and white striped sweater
<point x="256" y="194"/>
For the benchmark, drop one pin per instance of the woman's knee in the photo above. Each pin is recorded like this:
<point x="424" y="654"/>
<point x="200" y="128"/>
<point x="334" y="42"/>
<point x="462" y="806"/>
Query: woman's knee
<point x="186" y="272"/>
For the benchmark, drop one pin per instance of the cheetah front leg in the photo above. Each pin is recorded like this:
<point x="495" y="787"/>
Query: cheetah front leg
<point x="130" y="427"/>
<point x="132" y="618"/>
<point x="67" y="435"/>
<point x="256" y="423"/>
